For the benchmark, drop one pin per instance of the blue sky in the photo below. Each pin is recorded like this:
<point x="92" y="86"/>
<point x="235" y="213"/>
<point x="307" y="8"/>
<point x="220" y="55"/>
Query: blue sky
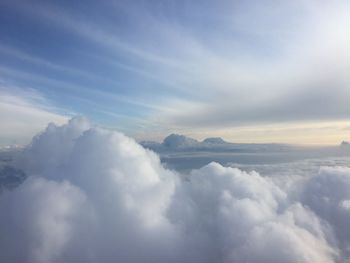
<point x="244" y="70"/>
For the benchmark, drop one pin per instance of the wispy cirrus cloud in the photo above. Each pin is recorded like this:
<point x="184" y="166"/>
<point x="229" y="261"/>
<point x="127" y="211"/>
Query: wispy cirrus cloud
<point x="226" y="63"/>
<point x="23" y="113"/>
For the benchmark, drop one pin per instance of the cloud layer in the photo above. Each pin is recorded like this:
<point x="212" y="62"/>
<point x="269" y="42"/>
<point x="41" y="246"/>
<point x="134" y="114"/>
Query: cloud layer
<point x="95" y="195"/>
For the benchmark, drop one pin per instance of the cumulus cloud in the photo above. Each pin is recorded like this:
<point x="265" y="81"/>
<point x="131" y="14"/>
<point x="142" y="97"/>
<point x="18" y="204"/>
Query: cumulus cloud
<point x="94" y="195"/>
<point x="23" y="113"/>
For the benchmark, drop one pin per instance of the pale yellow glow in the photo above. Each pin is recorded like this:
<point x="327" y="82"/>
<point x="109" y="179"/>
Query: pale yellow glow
<point x="331" y="132"/>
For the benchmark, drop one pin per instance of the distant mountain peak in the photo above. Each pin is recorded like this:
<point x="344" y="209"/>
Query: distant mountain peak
<point x="214" y="140"/>
<point x="345" y="143"/>
<point x="177" y="141"/>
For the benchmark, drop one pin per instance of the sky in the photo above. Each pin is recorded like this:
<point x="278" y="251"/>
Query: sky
<point x="248" y="71"/>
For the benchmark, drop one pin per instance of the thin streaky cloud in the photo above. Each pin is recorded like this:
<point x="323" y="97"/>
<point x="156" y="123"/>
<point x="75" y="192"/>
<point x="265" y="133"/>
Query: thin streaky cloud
<point x="236" y="63"/>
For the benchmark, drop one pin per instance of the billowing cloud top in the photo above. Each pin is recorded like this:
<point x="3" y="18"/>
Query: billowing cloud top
<point x="94" y="195"/>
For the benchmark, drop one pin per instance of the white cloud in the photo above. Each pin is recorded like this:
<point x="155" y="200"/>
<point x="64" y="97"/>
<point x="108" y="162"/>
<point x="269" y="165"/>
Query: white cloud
<point x="97" y="196"/>
<point x="42" y="215"/>
<point x="23" y="113"/>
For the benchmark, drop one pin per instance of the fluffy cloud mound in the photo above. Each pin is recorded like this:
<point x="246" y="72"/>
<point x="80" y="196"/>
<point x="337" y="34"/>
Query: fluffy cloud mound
<point x="94" y="195"/>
